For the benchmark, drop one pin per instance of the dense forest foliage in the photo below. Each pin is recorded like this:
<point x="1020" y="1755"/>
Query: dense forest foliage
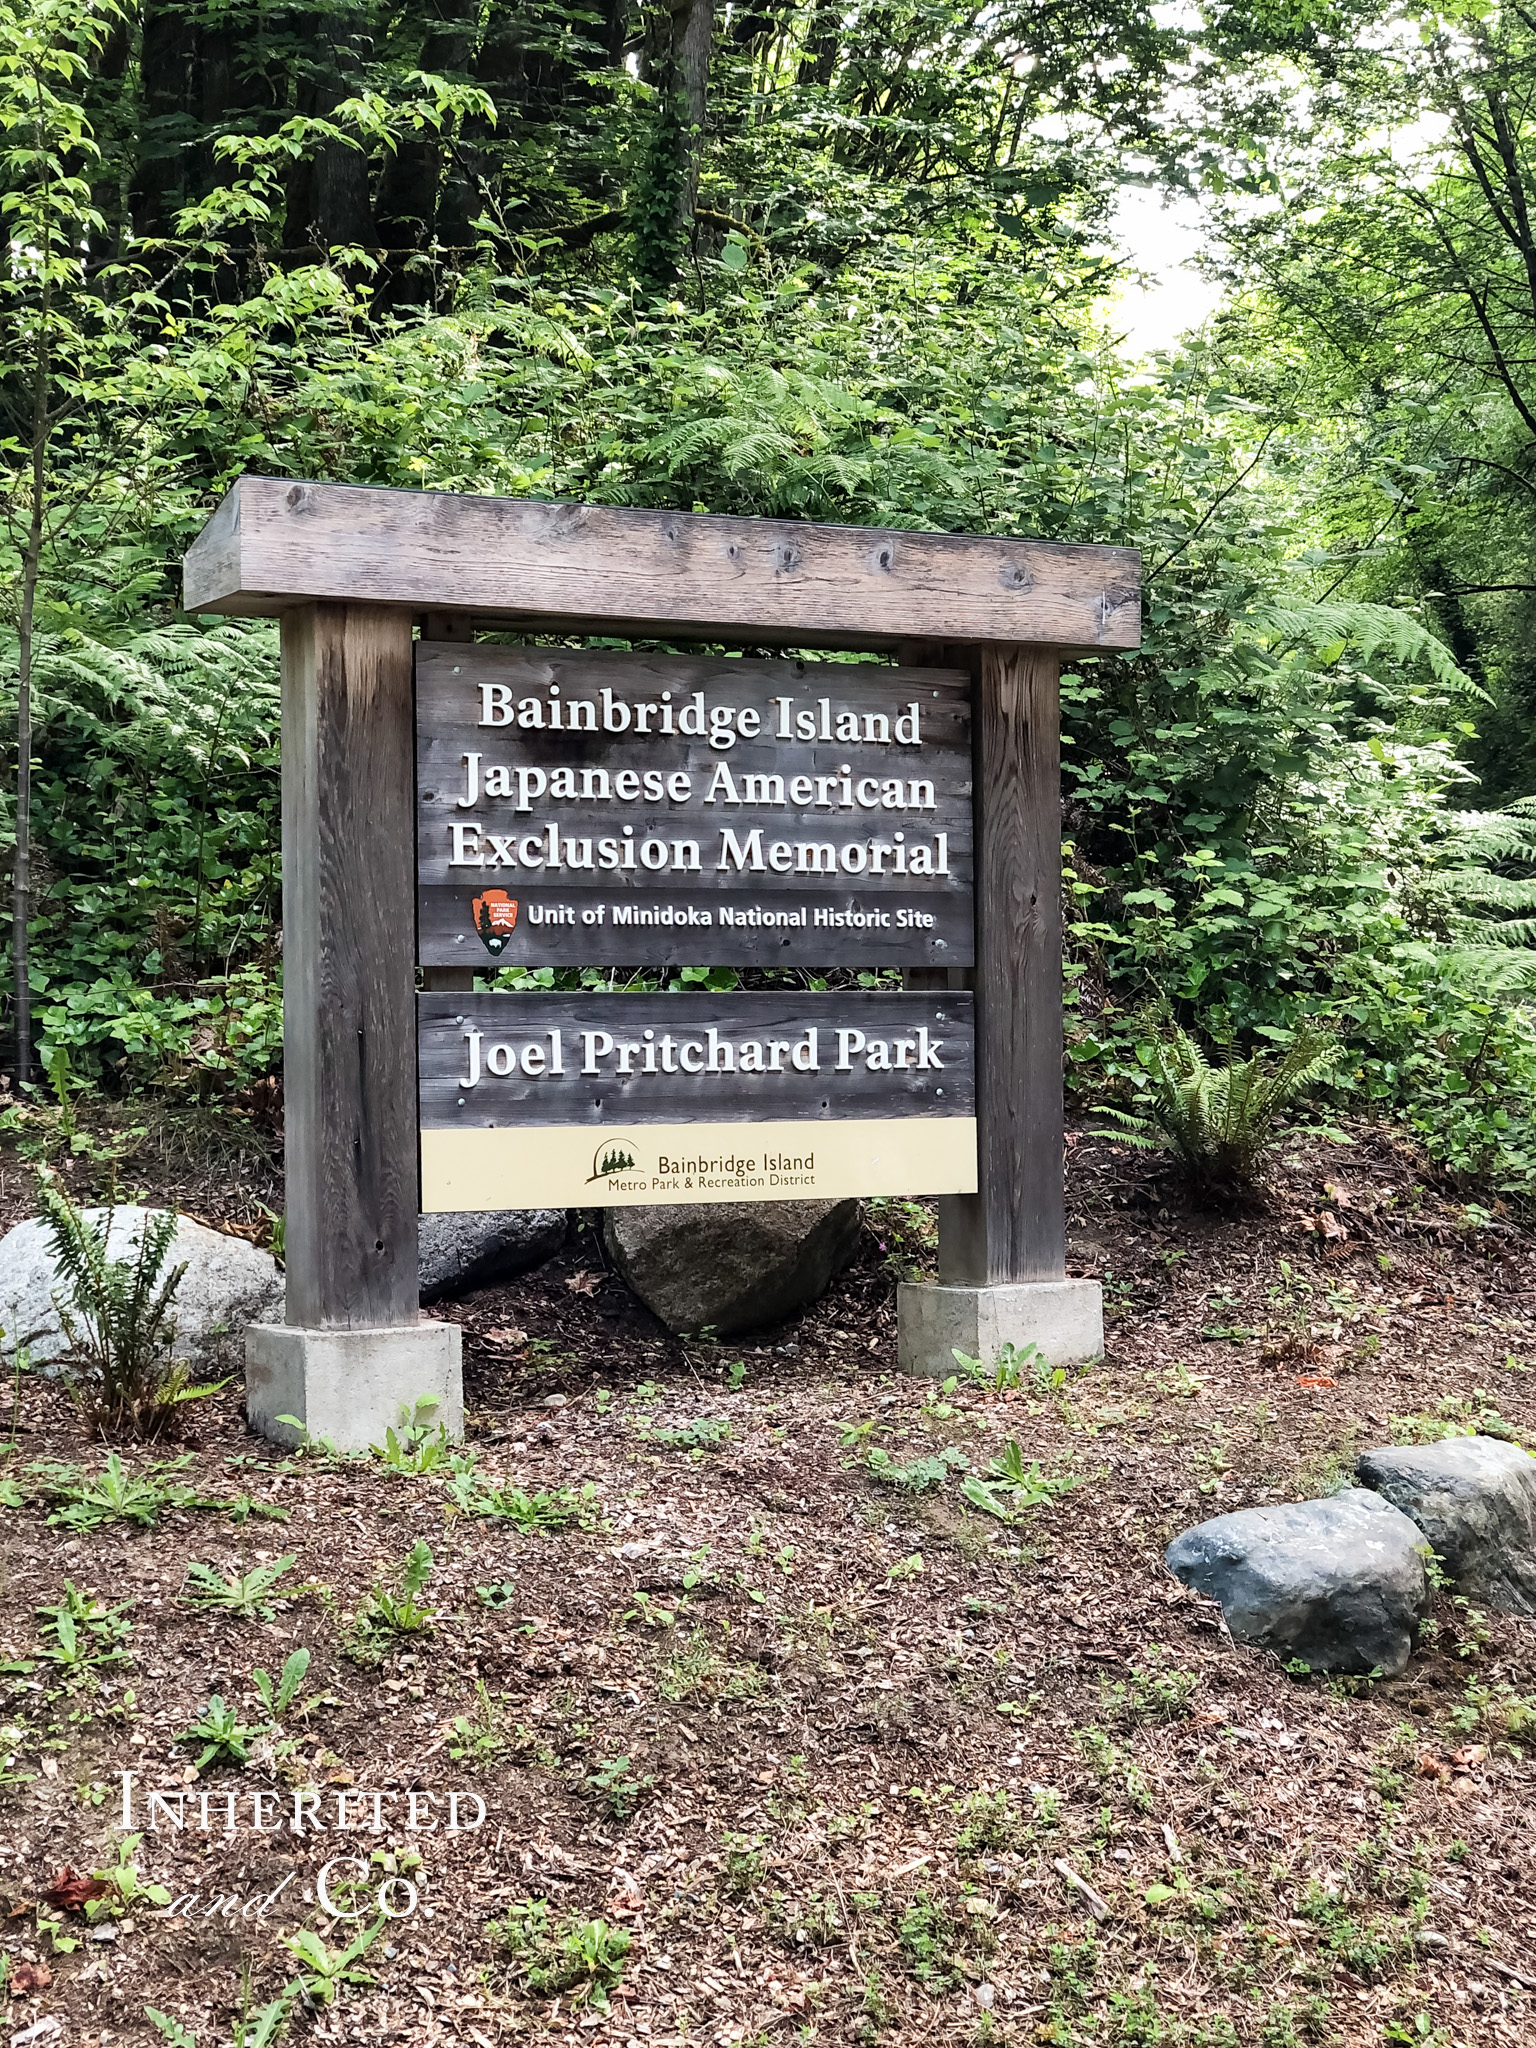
<point x="848" y="262"/>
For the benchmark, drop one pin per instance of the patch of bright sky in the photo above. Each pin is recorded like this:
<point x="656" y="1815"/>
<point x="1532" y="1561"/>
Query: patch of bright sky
<point x="1163" y="296"/>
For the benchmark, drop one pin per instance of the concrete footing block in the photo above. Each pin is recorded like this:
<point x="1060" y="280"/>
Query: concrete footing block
<point x="351" y="1385"/>
<point x="1063" y="1318"/>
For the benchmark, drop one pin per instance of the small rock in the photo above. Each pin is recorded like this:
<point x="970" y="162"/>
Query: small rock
<point x="986" y="1997"/>
<point x="728" y="1266"/>
<point x="1474" y="1497"/>
<point x="228" y="1283"/>
<point x="1337" y="1584"/>
<point x="556" y="1401"/>
<point x="472" y="1247"/>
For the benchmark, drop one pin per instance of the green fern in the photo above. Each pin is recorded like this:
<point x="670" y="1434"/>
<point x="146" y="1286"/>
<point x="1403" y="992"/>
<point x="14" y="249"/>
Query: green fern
<point x="1221" y="1119"/>
<point x="116" y="1314"/>
<point x="1326" y="630"/>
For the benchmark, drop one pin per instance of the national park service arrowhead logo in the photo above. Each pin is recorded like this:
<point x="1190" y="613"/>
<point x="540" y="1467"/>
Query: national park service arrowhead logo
<point x="495" y="918"/>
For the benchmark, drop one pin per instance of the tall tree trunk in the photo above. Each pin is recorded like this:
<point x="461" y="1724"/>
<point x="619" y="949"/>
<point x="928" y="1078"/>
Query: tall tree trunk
<point x="818" y="53"/>
<point x="412" y="182"/>
<point x="328" y="203"/>
<point x="693" y="35"/>
<point x="166" y="62"/>
<point x="31" y="566"/>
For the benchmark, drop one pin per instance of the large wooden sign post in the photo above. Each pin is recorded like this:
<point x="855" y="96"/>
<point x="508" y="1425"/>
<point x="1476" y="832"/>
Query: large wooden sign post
<point x="456" y="804"/>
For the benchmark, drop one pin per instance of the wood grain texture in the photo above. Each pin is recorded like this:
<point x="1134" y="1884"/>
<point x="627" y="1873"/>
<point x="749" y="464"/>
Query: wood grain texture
<point x="880" y="919"/>
<point x="610" y="1099"/>
<point x="1014" y="1228"/>
<point x="653" y="572"/>
<point x="349" y="1048"/>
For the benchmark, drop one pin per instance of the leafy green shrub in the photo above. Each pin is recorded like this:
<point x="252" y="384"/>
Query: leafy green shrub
<point x="1220" y="1120"/>
<point x="245" y="1594"/>
<point x="582" y="1957"/>
<point x="559" y="1507"/>
<point x="116" y="1314"/>
<point x="389" y="1611"/>
<point x="90" y="1501"/>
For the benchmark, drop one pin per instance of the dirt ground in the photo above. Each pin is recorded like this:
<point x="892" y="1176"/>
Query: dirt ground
<point x="770" y="1747"/>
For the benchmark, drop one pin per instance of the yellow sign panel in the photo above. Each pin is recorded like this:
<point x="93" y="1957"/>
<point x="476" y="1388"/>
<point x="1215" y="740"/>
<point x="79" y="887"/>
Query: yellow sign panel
<point x="560" y="1166"/>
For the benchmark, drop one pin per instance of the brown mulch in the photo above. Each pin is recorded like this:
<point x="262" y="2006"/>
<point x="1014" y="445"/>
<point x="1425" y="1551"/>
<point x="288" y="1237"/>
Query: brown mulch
<point x="843" y="1761"/>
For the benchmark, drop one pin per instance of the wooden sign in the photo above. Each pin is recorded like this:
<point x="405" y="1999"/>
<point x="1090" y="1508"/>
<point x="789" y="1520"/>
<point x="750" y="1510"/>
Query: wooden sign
<point x="576" y="807"/>
<point x="612" y="1101"/>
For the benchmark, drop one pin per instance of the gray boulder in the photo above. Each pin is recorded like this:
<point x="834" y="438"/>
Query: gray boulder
<point x="477" y="1246"/>
<point x="730" y="1266"/>
<point x="1337" y="1584"/>
<point x="228" y="1283"/>
<point x="1474" y="1497"/>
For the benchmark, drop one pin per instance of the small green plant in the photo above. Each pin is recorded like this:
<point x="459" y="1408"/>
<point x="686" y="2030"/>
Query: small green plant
<point x="90" y="1501"/>
<point x="989" y="1821"/>
<point x="498" y="1596"/>
<point x="476" y="1737"/>
<point x="583" y="1958"/>
<point x="561" y="1507"/>
<point x="116" y="1315"/>
<point x="417" y="1443"/>
<point x="1219" y="1120"/>
<point x="123" y="1889"/>
<point x="1009" y="1487"/>
<point x="929" y="1940"/>
<point x="742" y="1867"/>
<point x="323" y="1971"/>
<point x="85" y="1635"/>
<point x="1153" y="1693"/>
<point x="278" y="1695"/>
<point x="1015" y="1366"/>
<point x="225" y="1738"/>
<point x="392" y="1610"/>
<point x="255" y="2027"/>
<point x="243" y="1593"/>
<point x="615" y="1785"/>
<point x="704" y="1433"/>
<point x="919" y="1475"/>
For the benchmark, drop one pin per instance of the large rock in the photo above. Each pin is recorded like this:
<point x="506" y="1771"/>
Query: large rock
<point x="729" y="1266"/>
<point x="1337" y="1584"/>
<point x="1474" y="1497"/>
<point x="480" y="1245"/>
<point x="228" y="1283"/>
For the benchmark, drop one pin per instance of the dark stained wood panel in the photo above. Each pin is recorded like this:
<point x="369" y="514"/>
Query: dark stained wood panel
<point x="940" y="1027"/>
<point x="716" y="807"/>
<point x="273" y="543"/>
<point x="349" y="1052"/>
<point x="1014" y="1228"/>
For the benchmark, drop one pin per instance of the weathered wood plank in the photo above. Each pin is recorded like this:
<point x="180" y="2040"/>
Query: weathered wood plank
<point x="602" y="1086"/>
<point x="1014" y="1228"/>
<point x="348" y="1009"/>
<point x="667" y="573"/>
<point x="647" y="826"/>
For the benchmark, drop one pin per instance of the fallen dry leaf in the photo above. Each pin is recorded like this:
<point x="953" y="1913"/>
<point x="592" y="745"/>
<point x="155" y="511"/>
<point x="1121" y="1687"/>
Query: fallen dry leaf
<point x="509" y="1337"/>
<point x="70" y="1891"/>
<point x="27" y="1977"/>
<point x="1315" y="1379"/>
<point x="584" y="1282"/>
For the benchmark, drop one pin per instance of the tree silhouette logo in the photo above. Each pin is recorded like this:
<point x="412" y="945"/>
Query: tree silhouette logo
<point x="612" y="1156"/>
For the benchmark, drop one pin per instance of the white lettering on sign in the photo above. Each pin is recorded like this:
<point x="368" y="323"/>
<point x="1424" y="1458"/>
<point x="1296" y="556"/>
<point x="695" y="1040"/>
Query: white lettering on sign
<point x="606" y="1053"/>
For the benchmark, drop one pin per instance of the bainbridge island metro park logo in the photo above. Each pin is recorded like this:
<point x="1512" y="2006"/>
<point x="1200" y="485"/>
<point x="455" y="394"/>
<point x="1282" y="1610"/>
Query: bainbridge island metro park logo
<point x="612" y="1156"/>
<point x="495" y="918"/>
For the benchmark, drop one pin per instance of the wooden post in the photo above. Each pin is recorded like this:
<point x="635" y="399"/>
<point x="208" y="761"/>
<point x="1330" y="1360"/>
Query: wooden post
<point x="349" y="1054"/>
<point x="1013" y="1229"/>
